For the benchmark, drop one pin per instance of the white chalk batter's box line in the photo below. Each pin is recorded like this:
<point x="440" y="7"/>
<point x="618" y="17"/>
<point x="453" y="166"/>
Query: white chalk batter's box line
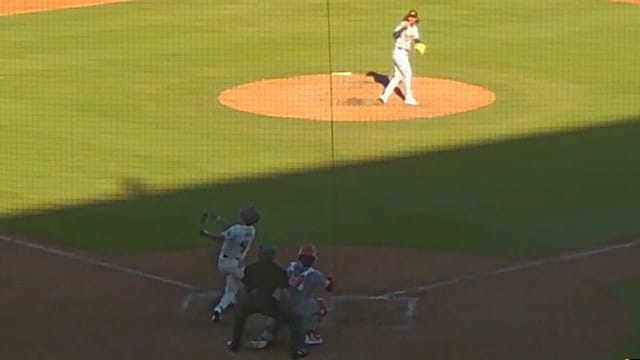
<point x="406" y="323"/>
<point x="408" y="316"/>
<point x="400" y="295"/>
<point x="194" y="290"/>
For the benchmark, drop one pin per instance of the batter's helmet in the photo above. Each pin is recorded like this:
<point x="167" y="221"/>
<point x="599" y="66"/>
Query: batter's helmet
<point x="250" y="214"/>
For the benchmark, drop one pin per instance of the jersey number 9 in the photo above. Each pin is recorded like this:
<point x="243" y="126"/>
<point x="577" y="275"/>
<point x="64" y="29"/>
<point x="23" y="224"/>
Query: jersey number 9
<point x="243" y="245"/>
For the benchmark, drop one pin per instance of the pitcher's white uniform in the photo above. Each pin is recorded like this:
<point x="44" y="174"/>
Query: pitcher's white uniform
<point x="237" y="242"/>
<point x="404" y="34"/>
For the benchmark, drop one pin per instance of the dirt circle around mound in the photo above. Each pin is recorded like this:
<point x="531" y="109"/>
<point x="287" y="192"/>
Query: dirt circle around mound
<point x="635" y="2"/>
<point x="353" y="97"/>
<point x="14" y="7"/>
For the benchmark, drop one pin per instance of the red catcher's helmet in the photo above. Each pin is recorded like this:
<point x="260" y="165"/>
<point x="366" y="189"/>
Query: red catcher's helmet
<point x="307" y="255"/>
<point x="307" y="250"/>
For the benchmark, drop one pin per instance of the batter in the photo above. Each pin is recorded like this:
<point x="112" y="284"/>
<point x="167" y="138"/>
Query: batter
<point x="236" y="243"/>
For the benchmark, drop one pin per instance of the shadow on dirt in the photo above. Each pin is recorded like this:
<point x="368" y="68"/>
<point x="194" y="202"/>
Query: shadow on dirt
<point x="383" y="80"/>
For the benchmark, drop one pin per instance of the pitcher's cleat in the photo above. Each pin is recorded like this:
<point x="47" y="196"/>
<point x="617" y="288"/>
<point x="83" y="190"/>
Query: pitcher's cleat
<point x="411" y="101"/>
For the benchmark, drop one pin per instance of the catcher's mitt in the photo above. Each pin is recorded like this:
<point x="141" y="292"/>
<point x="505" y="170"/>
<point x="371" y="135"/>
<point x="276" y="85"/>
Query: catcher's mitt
<point x="420" y="47"/>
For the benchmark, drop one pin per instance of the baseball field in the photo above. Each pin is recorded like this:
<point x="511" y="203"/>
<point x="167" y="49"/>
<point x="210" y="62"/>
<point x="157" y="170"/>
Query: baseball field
<point x="504" y="206"/>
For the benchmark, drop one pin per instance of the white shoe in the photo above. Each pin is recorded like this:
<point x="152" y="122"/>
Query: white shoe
<point x="216" y="316"/>
<point x="382" y="100"/>
<point x="411" y="101"/>
<point x="257" y="344"/>
<point x="313" y="338"/>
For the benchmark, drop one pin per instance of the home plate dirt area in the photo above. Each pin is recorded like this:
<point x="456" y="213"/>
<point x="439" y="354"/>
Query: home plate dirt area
<point x="59" y="308"/>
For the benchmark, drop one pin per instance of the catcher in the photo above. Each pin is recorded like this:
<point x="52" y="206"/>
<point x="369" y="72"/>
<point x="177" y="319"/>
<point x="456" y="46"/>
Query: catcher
<point x="303" y="280"/>
<point x="261" y="280"/>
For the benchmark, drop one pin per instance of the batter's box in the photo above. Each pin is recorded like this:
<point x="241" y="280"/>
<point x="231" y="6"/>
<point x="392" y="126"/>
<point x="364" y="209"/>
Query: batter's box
<point x="195" y="308"/>
<point x="372" y="311"/>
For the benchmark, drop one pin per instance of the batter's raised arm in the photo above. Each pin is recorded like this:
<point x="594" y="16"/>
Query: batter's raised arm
<point x="212" y="236"/>
<point x="223" y="222"/>
<point x="227" y="234"/>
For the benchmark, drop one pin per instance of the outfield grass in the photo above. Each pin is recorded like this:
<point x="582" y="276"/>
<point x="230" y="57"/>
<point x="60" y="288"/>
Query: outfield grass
<point x="629" y="294"/>
<point x="100" y="107"/>
<point x="511" y="199"/>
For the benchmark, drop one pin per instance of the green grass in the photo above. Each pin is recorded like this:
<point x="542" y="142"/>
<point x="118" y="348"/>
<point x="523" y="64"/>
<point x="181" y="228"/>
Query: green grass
<point x="511" y="199"/>
<point x="103" y="105"/>
<point x="628" y="294"/>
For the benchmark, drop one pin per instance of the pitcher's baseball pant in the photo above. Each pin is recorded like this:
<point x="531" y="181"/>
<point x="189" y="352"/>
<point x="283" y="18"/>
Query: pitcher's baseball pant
<point x="401" y="72"/>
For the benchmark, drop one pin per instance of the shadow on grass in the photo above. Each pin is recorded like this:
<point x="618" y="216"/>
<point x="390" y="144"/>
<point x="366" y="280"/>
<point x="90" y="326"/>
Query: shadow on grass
<point x="513" y="198"/>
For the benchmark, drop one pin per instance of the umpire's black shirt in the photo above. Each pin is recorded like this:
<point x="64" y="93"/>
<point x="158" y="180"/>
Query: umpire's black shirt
<point x="264" y="277"/>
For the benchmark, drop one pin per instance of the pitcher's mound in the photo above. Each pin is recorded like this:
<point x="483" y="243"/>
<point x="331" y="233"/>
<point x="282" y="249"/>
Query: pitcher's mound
<point x="12" y="7"/>
<point x="354" y="98"/>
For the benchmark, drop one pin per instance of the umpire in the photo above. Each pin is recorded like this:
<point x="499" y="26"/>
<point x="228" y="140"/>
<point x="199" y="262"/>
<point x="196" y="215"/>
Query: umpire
<point x="261" y="279"/>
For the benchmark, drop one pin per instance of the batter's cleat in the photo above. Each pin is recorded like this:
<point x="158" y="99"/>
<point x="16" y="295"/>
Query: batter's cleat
<point x="216" y="316"/>
<point x="313" y="338"/>
<point x="410" y="101"/>
<point x="299" y="354"/>
<point x="233" y="346"/>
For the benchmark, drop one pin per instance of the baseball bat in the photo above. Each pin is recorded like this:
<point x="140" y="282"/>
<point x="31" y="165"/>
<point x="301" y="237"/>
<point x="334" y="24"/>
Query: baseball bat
<point x="203" y="219"/>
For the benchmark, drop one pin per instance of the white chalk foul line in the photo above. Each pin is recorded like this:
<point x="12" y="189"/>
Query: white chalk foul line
<point x="100" y="263"/>
<point x="512" y="268"/>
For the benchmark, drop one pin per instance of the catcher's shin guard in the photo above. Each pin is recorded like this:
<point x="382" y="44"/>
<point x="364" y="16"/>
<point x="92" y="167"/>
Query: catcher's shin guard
<point x="312" y="334"/>
<point x="322" y="309"/>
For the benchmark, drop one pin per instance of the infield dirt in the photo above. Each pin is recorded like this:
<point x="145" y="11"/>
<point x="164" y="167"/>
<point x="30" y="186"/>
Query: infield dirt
<point x="56" y="308"/>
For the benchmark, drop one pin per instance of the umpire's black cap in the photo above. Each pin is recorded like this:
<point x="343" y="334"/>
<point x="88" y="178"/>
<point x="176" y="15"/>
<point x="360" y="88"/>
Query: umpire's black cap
<point x="267" y="251"/>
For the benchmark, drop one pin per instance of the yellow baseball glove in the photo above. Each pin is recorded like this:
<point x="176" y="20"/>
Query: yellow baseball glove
<point x="420" y="47"/>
